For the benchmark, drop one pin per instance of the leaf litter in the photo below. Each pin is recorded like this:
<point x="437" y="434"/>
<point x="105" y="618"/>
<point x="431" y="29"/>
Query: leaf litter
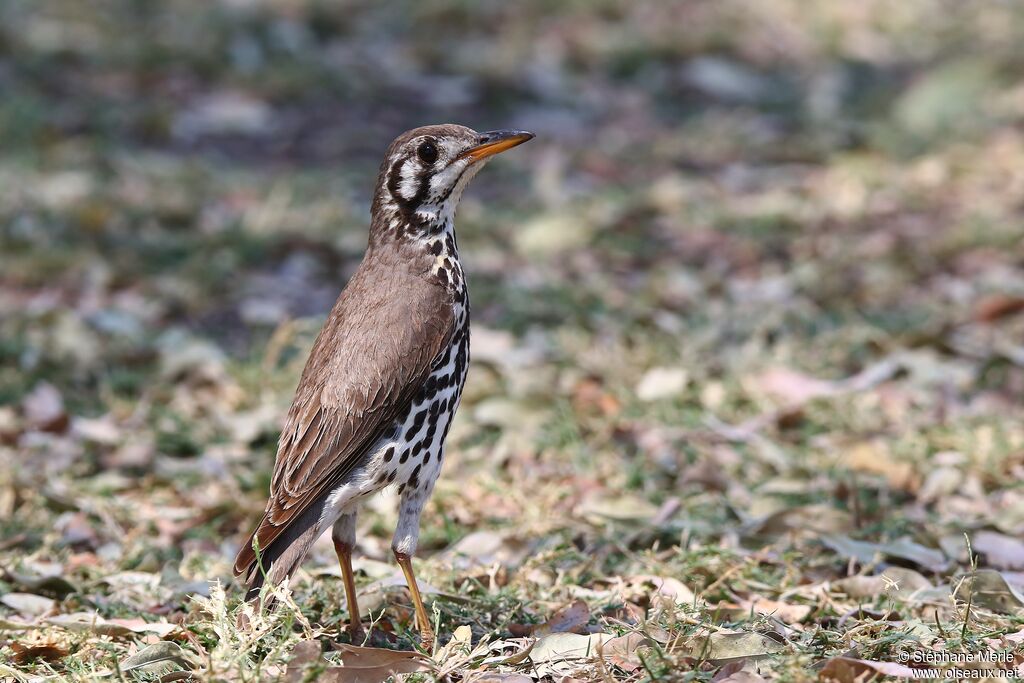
<point x="743" y="377"/>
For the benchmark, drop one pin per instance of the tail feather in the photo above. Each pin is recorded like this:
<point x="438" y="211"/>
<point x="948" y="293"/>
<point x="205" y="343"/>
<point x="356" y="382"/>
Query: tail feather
<point x="284" y="553"/>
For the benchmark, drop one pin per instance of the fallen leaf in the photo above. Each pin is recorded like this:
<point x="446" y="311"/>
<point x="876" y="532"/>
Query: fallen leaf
<point x="623" y="651"/>
<point x="875" y="457"/>
<point x="564" y="646"/>
<point x="813" y="519"/>
<point x="660" y="383"/>
<point x="26" y="654"/>
<point x="790" y="386"/>
<point x="44" y="408"/>
<point x="903" y="548"/>
<point x="898" y="582"/>
<point x="722" y="647"/>
<point x="1002" y="551"/>
<point x="158" y="657"/>
<point x="358" y="664"/>
<point x="786" y="612"/>
<point x="484" y="548"/>
<point x="988" y="589"/>
<point x="849" y="670"/>
<point x="512" y="659"/>
<point x="627" y="508"/>
<point x="90" y="622"/>
<point x="996" y="306"/>
<point x="51" y="584"/>
<point x="738" y="677"/>
<point x="571" y="618"/>
<point x="648" y="585"/>
<point x="28" y="604"/>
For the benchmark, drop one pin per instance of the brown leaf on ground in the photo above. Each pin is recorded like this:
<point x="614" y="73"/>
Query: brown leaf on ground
<point x="849" y="670"/>
<point x="875" y="457"/>
<point x="572" y="618"/>
<point x="49" y="652"/>
<point x="623" y="651"/>
<point x="359" y="664"/>
<point x="589" y="397"/>
<point x="991" y="308"/>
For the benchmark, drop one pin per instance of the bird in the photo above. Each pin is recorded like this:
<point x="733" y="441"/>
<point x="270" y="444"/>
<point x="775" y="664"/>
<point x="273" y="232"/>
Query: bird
<point x="385" y="375"/>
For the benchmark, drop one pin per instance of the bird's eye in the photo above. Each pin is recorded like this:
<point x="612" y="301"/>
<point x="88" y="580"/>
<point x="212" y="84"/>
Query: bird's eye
<point x="427" y="152"/>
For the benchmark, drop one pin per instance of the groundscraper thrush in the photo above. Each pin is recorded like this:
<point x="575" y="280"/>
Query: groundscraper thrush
<point x="385" y="375"/>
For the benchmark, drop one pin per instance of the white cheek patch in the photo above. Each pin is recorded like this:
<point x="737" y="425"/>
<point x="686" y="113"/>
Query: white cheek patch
<point x="443" y="180"/>
<point x="409" y="184"/>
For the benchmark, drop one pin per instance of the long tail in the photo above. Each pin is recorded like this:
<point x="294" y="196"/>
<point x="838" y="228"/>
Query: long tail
<point x="283" y="554"/>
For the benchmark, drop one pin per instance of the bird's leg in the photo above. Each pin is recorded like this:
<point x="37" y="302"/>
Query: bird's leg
<point x="344" y="536"/>
<point x="422" y="620"/>
<point x="406" y="538"/>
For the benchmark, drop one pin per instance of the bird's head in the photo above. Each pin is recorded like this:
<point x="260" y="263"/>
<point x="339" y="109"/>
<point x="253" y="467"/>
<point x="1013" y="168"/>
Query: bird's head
<point x="425" y="171"/>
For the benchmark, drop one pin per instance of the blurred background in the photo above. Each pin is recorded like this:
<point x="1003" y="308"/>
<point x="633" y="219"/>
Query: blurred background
<point x="748" y="314"/>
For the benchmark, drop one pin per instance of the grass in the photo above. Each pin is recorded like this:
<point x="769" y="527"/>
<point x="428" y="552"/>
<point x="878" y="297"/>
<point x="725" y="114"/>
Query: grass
<point x="672" y="451"/>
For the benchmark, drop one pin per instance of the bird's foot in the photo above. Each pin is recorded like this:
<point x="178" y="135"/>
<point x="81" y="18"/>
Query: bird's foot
<point x="356" y="633"/>
<point x="427" y="640"/>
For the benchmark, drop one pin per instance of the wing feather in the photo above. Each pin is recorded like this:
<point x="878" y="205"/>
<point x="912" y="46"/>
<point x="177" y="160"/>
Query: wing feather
<point x="375" y="351"/>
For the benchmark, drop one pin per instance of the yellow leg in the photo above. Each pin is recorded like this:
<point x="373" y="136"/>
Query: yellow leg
<point x="422" y="621"/>
<point x="355" y="627"/>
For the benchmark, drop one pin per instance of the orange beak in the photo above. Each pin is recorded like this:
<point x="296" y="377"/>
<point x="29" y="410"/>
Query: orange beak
<point x="495" y="142"/>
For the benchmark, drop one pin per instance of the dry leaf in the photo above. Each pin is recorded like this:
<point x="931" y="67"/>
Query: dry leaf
<point x="722" y="646"/>
<point x="572" y="618"/>
<point x="809" y="519"/>
<point x="358" y="664"/>
<point x="899" y="582"/>
<point x="786" y="612"/>
<point x="28" y="604"/>
<point x="903" y="548"/>
<point x="563" y="646"/>
<point x="739" y="677"/>
<point x="1001" y="551"/>
<point x="44" y="408"/>
<point x="623" y="651"/>
<point x="988" y="589"/>
<point x="157" y="657"/>
<point x="790" y="386"/>
<point x="26" y="654"/>
<point x="996" y="306"/>
<point x="83" y="622"/>
<point x="875" y="457"/>
<point x="648" y="586"/>
<point x="848" y="670"/>
<point x="661" y="383"/>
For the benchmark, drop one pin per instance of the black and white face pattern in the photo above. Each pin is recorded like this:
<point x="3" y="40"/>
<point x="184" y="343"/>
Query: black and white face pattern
<point x="425" y="178"/>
